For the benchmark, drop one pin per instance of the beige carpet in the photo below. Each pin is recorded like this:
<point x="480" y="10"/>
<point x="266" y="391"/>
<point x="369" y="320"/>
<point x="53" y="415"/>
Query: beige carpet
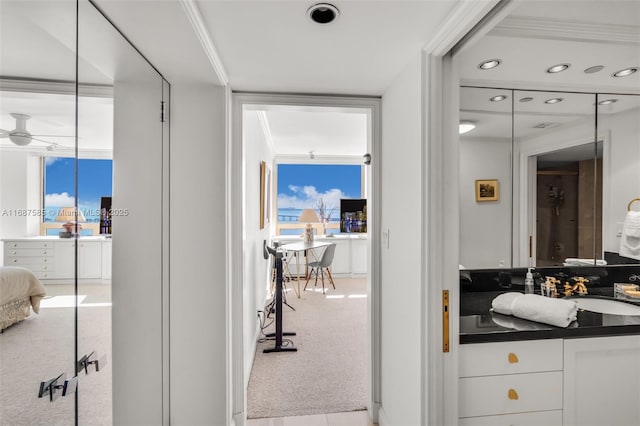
<point x="41" y="347"/>
<point x="328" y="373"/>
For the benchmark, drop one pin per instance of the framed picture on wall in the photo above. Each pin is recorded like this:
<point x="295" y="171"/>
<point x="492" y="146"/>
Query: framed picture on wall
<point x="487" y="190"/>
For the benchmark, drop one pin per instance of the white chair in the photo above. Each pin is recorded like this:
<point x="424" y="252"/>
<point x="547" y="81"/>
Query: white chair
<point x="319" y="267"/>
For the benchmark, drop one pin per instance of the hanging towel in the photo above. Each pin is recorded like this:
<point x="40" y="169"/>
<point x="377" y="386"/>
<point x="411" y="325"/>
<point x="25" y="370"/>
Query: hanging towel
<point x="533" y="307"/>
<point x="630" y="239"/>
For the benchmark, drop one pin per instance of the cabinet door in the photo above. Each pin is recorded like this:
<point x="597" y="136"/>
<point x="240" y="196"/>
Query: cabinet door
<point x="602" y="381"/>
<point x="341" y="258"/>
<point x="106" y="260"/>
<point x="90" y="259"/>
<point x="64" y="259"/>
<point x="358" y="256"/>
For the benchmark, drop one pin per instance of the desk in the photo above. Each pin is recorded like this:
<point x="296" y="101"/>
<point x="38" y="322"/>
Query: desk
<point x="298" y="247"/>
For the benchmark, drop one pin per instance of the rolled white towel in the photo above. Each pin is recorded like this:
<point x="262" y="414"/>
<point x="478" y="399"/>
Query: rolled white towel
<point x="533" y="307"/>
<point x="503" y="303"/>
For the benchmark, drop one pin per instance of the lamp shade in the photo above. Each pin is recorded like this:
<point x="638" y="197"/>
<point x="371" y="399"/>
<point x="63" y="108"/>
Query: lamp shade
<point x="70" y="214"/>
<point x="308" y="216"/>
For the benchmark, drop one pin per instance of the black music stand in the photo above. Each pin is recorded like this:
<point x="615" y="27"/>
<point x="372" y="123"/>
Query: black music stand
<point x="279" y="333"/>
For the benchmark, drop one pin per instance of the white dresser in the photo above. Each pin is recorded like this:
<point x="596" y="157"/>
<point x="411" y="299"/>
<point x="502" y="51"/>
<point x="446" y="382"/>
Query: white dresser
<point x="53" y="258"/>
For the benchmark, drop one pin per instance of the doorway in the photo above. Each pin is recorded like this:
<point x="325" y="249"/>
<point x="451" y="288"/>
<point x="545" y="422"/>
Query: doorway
<point x="256" y="271"/>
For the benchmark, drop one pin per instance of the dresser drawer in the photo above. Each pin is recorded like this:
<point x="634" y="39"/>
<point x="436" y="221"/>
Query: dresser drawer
<point x="546" y="418"/>
<point x="29" y="252"/>
<point x="28" y="261"/>
<point x="517" y="393"/>
<point x="485" y="359"/>
<point x="27" y="244"/>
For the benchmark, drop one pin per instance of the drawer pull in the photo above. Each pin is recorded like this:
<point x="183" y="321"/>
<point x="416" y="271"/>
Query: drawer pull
<point x="15" y="260"/>
<point x="14" y="252"/>
<point x="44" y="252"/>
<point x="513" y="358"/>
<point x="513" y="395"/>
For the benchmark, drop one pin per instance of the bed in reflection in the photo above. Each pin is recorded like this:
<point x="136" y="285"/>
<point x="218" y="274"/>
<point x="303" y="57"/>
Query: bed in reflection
<point x="20" y="292"/>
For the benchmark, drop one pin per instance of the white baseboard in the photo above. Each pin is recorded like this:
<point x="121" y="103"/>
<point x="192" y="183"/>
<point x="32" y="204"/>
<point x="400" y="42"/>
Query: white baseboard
<point x="383" y="420"/>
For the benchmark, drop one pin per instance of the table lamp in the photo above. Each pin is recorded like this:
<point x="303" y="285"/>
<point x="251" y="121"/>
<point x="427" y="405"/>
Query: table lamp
<point x="308" y="215"/>
<point x="71" y="218"/>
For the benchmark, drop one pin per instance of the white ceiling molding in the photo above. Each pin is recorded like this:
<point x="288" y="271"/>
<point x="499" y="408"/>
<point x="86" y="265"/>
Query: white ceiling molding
<point x="55" y="87"/>
<point x="551" y="87"/>
<point x="264" y="123"/>
<point x="558" y="29"/>
<point x="195" y="18"/>
<point x="466" y="14"/>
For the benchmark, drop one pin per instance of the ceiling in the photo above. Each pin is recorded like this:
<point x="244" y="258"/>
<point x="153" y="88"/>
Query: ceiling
<point x="271" y="46"/>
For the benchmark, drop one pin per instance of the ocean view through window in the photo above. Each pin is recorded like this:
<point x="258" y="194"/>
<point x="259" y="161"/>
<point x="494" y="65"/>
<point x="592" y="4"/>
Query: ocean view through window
<point x="316" y="186"/>
<point x="94" y="182"/>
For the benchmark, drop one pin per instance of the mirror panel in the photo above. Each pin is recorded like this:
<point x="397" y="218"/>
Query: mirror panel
<point x="619" y="138"/>
<point x="485" y="159"/>
<point x="557" y="171"/>
<point x="37" y="79"/>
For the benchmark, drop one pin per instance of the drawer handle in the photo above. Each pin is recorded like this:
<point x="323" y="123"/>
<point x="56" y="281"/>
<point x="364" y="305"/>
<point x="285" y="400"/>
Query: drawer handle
<point x="15" y="260"/>
<point x="513" y="395"/>
<point x="44" y="252"/>
<point x="14" y="252"/>
<point x="513" y="358"/>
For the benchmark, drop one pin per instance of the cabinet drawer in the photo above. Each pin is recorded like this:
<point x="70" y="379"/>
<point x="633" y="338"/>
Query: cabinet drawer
<point x="30" y="252"/>
<point x="546" y="418"/>
<point x="27" y="244"/>
<point x="27" y="262"/>
<point x="485" y="359"/>
<point x="516" y="393"/>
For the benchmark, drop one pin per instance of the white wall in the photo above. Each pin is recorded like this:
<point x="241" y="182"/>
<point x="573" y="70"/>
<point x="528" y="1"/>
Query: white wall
<point x="256" y="268"/>
<point x="197" y="302"/>
<point x="20" y="183"/>
<point x="400" y="270"/>
<point x="485" y="227"/>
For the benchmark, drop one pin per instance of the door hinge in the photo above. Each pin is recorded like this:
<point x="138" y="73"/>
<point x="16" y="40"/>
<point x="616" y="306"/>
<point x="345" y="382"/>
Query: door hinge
<point x="445" y="320"/>
<point x="163" y="113"/>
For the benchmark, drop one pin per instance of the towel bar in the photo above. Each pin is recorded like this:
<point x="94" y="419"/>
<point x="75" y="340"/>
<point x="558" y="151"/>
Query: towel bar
<point x="631" y="202"/>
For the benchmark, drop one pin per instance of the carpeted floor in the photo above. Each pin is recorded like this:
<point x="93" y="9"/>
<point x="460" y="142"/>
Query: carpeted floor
<point x="42" y="346"/>
<point x="328" y="373"/>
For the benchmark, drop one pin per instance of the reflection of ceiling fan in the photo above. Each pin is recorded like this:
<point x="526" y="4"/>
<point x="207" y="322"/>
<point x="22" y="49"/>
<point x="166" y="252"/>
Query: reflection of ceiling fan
<point x="21" y="136"/>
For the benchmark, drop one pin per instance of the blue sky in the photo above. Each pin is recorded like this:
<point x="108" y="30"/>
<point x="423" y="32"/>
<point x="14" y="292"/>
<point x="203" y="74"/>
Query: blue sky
<point x="301" y="185"/>
<point x="94" y="181"/>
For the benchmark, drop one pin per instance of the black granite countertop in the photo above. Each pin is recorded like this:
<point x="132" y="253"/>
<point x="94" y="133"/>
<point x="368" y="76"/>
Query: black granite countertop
<point x="479" y="325"/>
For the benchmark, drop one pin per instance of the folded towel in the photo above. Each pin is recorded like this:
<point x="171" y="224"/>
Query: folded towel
<point x="630" y="238"/>
<point x="503" y="303"/>
<point x="514" y="323"/>
<point x="572" y="261"/>
<point x="533" y="307"/>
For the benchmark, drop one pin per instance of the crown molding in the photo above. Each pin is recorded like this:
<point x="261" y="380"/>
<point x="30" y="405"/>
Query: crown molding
<point x="532" y="85"/>
<point x="266" y="130"/>
<point x="558" y="29"/>
<point x="197" y="23"/>
<point x="15" y="84"/>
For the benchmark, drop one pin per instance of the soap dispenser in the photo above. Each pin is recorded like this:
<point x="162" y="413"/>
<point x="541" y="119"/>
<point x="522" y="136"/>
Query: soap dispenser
<point x="528" y="282"/>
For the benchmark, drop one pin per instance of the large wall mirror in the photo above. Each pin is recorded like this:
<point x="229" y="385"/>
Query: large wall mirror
<point x="91" y="104"/>
<point x="566" y="168"/>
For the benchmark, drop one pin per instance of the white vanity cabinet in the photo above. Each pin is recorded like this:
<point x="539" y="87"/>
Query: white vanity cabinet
<point x="89" y="259"/>
<point x="511" y="383"/>
<point x="602" y="381"/>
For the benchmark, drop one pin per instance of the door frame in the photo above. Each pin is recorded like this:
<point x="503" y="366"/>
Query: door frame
<point x="236" y="392"/>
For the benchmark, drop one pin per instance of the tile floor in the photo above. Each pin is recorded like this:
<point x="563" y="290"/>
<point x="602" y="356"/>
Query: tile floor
<point x="353" y="418"/>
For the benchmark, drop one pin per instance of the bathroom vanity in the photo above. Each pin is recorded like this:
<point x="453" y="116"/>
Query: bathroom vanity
<point x="518" y="372"/>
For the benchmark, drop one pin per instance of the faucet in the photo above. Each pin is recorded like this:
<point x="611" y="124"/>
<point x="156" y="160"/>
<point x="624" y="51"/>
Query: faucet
<point x="579" y="287"/>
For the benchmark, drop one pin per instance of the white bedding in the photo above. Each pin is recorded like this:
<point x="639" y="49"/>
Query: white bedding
<point x="19" y="283"/>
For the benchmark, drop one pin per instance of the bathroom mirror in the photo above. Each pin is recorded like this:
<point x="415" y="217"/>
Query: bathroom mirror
<point x="567" y="167"/>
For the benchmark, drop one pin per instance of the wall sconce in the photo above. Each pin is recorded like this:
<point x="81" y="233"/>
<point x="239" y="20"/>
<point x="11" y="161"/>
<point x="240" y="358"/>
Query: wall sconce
<point x="367" y="158"/>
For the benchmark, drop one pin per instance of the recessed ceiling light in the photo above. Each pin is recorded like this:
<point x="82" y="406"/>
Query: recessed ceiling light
<point x="323" y="13"/>
<point x="558" y="68"/>
<point x="491" y="63"/>
<point x="593" y="69"/>
<point x="607" y="102"/>
<point x="466" y="126"/>
<point x="527" y="99"/>
<point x="625" y="72"/>
<point x="498" y="98"/>
<point x="553" y="100"/>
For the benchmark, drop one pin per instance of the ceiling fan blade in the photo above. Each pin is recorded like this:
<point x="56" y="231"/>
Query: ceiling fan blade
<point x="42" y="140"/>
<point x="54" y="136"/>
<point x="4" y="133"/>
